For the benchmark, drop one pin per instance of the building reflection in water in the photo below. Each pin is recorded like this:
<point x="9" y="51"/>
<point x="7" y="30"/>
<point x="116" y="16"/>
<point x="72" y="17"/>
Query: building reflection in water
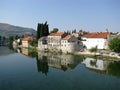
<point x="103" y="66"/>
<point x="25" y="51"/>
<point x="29" y="52"/>
<point x="68" y="62"/>
<point x="96" y="65"/>
<point x="62" y="62"/>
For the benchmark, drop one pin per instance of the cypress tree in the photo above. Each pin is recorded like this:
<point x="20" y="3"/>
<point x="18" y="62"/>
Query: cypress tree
<point x="46" y="29"/>
<point x="38" y="31"/>
<point x="42" y="30"/>
<point x="0" y="37"/>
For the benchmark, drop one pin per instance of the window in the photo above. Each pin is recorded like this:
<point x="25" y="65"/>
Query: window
<point x="44" y="41"/>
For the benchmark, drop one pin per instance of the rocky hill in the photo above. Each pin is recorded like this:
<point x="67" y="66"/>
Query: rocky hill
<point x="11" y="30"/>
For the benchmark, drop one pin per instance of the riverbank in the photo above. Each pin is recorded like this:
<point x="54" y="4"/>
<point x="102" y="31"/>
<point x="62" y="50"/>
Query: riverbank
<point x="97" y="55"/>
<point x="101" y="55"/>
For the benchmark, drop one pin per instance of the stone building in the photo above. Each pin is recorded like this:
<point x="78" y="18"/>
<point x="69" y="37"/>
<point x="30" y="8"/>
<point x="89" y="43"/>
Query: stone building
<point x="59" y="41"/>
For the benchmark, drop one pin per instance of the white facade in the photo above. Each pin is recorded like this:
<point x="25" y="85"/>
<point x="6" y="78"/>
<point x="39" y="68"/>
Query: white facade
<point x="95" y="64"/>
<point x="99" y="39"/>
<point x="101" y="43"/>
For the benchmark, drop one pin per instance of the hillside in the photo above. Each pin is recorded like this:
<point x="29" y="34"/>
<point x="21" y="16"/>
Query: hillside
<point x="11" y="30"/>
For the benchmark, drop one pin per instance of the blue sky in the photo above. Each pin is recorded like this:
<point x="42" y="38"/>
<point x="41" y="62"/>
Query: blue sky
<point x="89" y="15"/>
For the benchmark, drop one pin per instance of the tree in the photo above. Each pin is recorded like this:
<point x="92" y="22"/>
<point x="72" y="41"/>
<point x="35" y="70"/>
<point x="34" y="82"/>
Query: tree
<point x="0" y="40"/>
<point x="34" y="43"/>
<point x="68" y="32"/>
<point x="54" y="30"/>
<point x="94" y="49"/>
<point x="22" y="36"/>
<point x="74" y="31"/>
<point x="42" y="30"/>
<point x="4" y="38"/>
<point x="45" y="30"/>
<point x="38" y="31"/>
<point x="11" y="39"/>
<point x="0" y="37"/>
<point x="16" y="37"/>
<point x="114" y="44"/>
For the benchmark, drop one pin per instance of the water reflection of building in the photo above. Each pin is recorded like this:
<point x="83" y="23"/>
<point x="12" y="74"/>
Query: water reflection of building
<point x="96" y="65"/>
<point x="62" y="62"/>
<point x="68" y="62"/>
<point x="25" y="51"/>
<point x="28" y="52"/>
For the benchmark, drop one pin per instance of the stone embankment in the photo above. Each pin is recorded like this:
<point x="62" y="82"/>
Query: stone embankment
<point x="101" y="53"/>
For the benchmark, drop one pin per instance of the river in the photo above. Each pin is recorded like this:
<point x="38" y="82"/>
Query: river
<point x="23" y="69"/>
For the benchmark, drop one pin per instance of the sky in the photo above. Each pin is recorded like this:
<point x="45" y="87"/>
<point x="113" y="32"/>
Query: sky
<point x="89" y="15"/>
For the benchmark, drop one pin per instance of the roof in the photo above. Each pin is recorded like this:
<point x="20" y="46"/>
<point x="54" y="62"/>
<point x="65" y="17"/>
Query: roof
<point x="29" y="38"/>
<point x="57" y="34"/>
<point x="97" y="35"/>
<point x="66" y="37"/>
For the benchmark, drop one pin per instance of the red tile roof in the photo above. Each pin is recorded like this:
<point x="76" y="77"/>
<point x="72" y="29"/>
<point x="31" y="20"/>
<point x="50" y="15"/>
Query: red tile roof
<point x="57" y="34"/>
<point x="97" y="35"/>
<point x="66" y="37"/>
<point x="28" y="38"/>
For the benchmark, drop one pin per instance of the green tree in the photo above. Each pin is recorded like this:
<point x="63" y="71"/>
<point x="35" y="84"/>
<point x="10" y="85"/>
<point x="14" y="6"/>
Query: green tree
<point x="45" y="30"/>
<point x="74" y="31"/>
<point x="22" y="36"/>
<point x="42" y="30"/>
<point x="94" y="49"/>
<point x="0" y="40"/>
<point x="4" y="38"/>
<point x="34" y="43"/>
<point x="54" y="30"/>
<point x="38" y="31"/>
<point x="114" y="44"/>
<point x="0" y="37"/>
<point x="11" y="39"/>
<point x="16" y="37"/>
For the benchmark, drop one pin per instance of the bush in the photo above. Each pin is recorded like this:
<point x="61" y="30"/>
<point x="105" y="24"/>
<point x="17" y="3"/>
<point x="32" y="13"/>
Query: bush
<point x="114" y="44"/>
<point x="93" y="49"/>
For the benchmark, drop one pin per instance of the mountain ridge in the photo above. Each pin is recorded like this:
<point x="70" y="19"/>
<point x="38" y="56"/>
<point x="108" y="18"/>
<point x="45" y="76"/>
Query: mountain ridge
<point x="12" y="30"/>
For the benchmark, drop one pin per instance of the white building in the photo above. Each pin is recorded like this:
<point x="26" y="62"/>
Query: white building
<point x="99" y="39"/>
